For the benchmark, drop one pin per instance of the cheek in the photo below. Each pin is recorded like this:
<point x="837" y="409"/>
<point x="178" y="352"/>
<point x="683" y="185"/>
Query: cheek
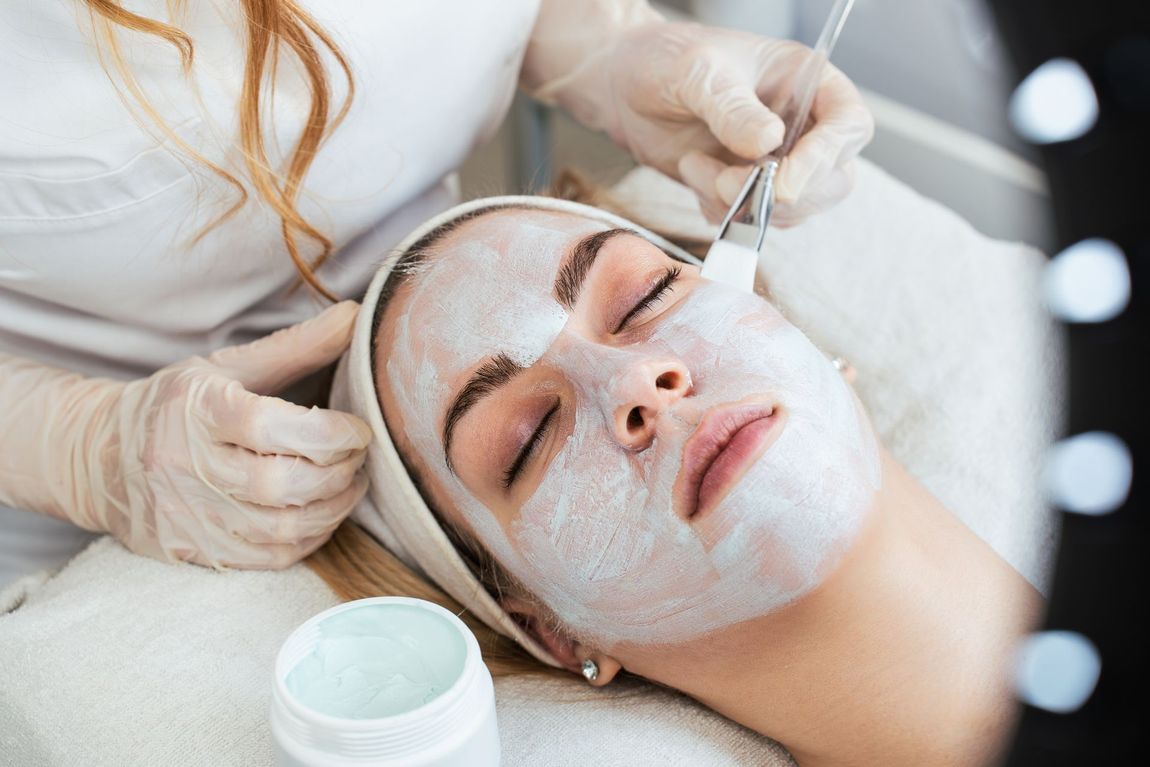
<point x="717" y="332"/>
<point x="586" y="523"/>
<point x="602" y="513"/>
<point x="598" y="541"/>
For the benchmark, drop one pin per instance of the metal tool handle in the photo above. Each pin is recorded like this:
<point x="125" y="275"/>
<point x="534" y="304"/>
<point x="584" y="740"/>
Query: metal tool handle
<point x="806" y="82"/>
<point x="746" y="221"/>
<point x="753" y="206"/>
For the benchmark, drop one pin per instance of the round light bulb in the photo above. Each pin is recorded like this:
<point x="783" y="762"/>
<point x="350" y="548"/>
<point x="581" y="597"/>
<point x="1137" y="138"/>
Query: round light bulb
<point x="1089" y="473"/>
<point x="1056" y="102"/>
<point x="1056" y="670"/>
<point x="1087" y="282"/>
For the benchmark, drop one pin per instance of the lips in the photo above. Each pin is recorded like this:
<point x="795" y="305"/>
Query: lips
<point x="717" y="455"/>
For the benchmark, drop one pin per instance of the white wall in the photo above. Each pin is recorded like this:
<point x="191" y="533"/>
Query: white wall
<point x="942" y="57"/>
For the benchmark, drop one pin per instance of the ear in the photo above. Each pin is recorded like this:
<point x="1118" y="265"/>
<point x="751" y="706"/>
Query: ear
<point x="568" y="652"/>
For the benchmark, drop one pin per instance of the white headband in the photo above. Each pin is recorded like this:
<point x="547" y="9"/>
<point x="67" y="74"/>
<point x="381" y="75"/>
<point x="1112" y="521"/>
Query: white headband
<point x="393" y="510"/>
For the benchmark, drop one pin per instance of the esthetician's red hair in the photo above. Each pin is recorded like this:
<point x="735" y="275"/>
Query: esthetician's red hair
<point x="271" y="27"/>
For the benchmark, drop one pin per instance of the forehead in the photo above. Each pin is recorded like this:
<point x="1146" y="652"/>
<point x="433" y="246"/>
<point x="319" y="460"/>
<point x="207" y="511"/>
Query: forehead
<point x="484" y="289"/>
<point x="513" y="241"/>
<point x="508" y="250"/>
<point x="488" y="287"/>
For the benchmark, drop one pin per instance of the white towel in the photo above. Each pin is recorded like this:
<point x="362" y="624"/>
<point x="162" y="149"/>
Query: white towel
<point x="121" y="661"/>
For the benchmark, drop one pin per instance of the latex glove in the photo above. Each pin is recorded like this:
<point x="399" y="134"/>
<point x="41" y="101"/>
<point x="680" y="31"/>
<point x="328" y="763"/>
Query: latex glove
<point x="692" y="101"/>
<point x="193" y="463"/>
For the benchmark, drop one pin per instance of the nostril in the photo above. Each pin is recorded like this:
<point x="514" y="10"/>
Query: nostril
<point x="669" y="380"/>
<point x="634" y="419"/>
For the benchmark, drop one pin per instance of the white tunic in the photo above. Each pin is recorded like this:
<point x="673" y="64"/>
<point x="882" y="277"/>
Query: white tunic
<point x="102" y="266"/>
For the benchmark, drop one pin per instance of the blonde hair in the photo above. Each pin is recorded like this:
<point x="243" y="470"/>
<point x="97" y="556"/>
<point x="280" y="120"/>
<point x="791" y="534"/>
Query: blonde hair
<point x="356" y="566"/>
<point x="271" y="25"/>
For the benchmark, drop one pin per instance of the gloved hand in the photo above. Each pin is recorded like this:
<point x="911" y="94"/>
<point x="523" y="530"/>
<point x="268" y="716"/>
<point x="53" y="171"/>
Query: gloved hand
<point x="692" y="101"/>
<point x="195" y="462"/>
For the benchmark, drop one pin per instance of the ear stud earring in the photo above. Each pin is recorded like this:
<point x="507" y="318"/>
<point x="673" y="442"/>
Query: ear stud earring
<point x="590" y="670"/>
<point x="845" y="369"/>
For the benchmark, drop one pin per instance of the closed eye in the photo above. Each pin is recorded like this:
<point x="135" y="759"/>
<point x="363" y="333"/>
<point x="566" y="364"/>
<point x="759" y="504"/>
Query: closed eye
<point x="516" y="468"/>
<point x="658" y="291"/>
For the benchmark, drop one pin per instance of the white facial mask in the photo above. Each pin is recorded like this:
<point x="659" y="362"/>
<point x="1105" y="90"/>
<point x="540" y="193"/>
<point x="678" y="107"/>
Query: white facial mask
<point x="516" y="315"/>
<point x="599" y="541"/>
<point x="457" y="320"/>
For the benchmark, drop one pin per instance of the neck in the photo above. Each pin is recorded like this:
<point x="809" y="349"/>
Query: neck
<point x="902" y="656"/>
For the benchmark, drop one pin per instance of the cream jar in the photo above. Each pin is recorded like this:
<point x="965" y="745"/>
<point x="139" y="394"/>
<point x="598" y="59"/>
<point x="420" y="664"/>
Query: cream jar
<point x="383" y="681"/>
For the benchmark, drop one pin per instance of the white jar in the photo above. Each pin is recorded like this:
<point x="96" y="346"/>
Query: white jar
<point x="408" y="650"/>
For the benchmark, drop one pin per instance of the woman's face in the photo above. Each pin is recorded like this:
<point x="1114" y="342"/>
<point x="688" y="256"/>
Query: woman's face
<point x="654" y="455"/>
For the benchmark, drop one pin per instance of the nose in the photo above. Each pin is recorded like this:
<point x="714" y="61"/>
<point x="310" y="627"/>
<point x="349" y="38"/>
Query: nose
<point x="649" y="387"/>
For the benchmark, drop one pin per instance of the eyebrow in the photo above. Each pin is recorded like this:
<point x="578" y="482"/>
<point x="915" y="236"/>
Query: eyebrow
<point x="573" y="272"/>
<point x="499" y="370"/>
<point x="492" y="374"/>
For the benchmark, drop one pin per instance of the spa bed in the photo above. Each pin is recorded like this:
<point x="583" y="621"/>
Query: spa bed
<point x="120" y="660"/>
